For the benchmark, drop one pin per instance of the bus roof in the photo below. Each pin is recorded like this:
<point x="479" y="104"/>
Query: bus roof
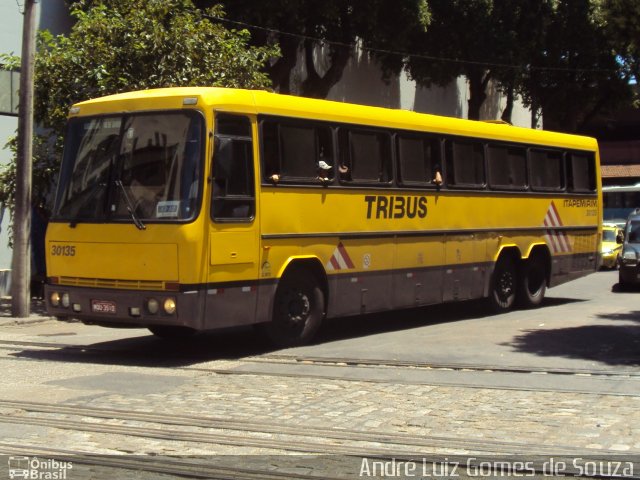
<point x="259" y="101"/>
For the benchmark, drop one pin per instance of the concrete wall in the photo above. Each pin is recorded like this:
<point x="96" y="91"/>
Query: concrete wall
<point x="362" y="83"/>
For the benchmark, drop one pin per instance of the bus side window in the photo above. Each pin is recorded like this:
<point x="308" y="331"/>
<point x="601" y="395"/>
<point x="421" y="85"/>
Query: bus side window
<point x="581" y="172"/>
<point x="507" y="167"/>
<point x="418" y="160"/>
<point x="465" y="163"/>
<point x="546" y="170"/>
<point x="233" y="197"/>
<point x="365" y="156"/>
<point x="296" y="151"/>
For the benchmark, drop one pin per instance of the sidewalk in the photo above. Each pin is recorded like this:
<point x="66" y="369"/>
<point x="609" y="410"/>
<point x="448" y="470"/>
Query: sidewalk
<point x="38" y="312"/>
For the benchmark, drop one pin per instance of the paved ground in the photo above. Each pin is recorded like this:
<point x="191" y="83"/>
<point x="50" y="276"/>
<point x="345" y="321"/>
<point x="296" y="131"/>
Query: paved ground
<point x="561" y="380"/>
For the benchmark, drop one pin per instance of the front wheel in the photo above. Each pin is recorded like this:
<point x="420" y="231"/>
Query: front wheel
<point x="298" y="310"/>
<point x="502" y="294"/>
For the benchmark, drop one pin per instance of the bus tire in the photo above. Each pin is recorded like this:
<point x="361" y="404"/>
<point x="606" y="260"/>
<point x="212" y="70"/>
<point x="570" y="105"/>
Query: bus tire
<point x="171" y="332"/>
<point x="298" y="310"/>
<point x="502" y="293"/>
<point x="532" y="283"/>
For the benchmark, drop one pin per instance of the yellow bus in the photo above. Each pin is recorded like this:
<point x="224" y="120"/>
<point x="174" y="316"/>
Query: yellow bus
<point x="190" y="209"/>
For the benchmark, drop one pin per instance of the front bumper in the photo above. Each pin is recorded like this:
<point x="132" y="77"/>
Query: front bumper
<point x="629" y="273"/>
<point x="610" y="260"/>
<point x="120" y="308"/>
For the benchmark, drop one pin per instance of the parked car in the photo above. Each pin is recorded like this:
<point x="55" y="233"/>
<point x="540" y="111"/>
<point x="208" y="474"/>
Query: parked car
<point x="611" y="248"/>
<point x="629" y="273"/>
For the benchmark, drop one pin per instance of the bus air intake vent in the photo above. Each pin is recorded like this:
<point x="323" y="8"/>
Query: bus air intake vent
<point x="119" y="284"/>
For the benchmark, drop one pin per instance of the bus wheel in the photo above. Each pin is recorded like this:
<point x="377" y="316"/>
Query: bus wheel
<point x="532" y="283"/>
<point x="503" y="285"/>
<point x="298" y="310"/>
<point x="171" y="332"/>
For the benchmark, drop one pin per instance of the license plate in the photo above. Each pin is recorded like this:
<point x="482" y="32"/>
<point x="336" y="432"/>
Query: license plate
<point x="103" y="306"/>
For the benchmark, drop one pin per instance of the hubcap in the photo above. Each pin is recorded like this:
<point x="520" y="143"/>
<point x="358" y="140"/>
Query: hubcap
<point x="298" y="308"/>
<point x="505" y="285"/>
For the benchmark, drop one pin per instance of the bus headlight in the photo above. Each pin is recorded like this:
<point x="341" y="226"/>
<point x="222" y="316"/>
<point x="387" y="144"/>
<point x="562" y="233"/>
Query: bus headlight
<point x="153" y="306"/>
<point x="66" y="301"/>
<point x="55" y="299"/>
<point x="170" y="306"/>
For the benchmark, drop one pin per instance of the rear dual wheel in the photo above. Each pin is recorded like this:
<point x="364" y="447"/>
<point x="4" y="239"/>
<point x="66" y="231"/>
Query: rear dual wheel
<point x="525" y="286"/>
<point x="532" y="282"/>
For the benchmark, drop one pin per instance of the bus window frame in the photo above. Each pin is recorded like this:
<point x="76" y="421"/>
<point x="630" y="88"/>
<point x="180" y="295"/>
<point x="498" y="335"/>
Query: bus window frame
<point x="449" y="170"/>
<point x="569" y="172"/>
<point x="563" y="169"/>
<point x="280" y="121"/>
<point x="506" y="188"/>
<point x="388" y="161"/>
<point x="418" y="135"/>
<point x="252" y="181"/>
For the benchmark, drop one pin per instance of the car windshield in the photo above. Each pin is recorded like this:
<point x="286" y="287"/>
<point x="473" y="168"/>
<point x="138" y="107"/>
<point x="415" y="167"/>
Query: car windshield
<point x="633" y="232"/>
<point x="145" y="166"/>
<point x="608" y="236"/>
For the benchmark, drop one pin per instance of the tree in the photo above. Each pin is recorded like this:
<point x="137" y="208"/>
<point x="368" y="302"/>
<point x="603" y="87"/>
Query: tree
<point x="123" y="45"/>
<point x="460" y="40"/>
<point x="575" y="73"/>
<point x="303" y="28"/>
<point x="623" y="27"/>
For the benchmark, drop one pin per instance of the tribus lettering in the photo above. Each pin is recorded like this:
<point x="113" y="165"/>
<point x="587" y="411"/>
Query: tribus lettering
<point x="382" y="206"/>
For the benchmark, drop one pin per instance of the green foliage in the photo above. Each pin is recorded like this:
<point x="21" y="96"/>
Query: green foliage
<point x="9" y="62"/>
<point x="124" y="45"/>
<point x="555" y="53"/>
<point x="622" y="23"/>
<point x="45" y="166"/>
<point x="577" y="74"/>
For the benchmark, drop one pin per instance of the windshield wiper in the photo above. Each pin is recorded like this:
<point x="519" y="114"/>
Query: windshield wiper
<point x="136" y="221"/>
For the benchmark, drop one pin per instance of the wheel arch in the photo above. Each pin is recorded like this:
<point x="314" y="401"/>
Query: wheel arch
<point x="311" y="264"/>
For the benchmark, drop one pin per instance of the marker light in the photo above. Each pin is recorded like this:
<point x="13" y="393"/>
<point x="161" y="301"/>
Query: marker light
<point x="66" y="301"/>
<point x="190" y="101"/>
<point x="55" y="299"/>
<point x="153" y="306"/>
<point x="170" y="306"/>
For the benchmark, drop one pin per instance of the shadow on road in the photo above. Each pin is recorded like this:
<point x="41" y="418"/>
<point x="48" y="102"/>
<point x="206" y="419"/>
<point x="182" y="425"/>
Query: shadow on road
<point x="614" y="344"/>
<point x="237" y="343"/>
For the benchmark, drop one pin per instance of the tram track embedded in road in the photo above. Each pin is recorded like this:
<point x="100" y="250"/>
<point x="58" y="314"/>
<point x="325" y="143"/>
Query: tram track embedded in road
<point x="205" y="430"/>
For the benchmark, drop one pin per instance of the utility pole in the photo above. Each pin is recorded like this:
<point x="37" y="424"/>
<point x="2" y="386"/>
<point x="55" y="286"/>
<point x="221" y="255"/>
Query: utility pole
<point x="21" y="261"/>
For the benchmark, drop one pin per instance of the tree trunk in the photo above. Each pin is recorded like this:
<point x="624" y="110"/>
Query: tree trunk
<point x="317" y="86"/>
<point x="280" y="72"/>
<point x="508" y="109"/>
<point x="478" y="80"/>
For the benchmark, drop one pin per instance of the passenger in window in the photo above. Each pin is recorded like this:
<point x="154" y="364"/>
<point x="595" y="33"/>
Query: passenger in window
<point x="437" y="177"/>
<point x="324" y="168"/>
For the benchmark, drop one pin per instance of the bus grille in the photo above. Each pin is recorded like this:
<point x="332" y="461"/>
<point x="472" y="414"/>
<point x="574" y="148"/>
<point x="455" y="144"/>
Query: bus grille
<point x="121" y="284"/>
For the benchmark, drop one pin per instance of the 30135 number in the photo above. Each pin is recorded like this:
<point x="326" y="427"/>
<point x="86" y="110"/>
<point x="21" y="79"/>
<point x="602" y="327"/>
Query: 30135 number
<point x="63" y="250"/>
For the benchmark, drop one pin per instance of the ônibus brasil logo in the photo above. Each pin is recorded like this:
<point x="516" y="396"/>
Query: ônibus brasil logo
<point x="35" y="468"/>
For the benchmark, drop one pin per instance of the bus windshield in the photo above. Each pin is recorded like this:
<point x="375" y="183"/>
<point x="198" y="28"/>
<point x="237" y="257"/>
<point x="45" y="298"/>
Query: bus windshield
<point x="144" y="167"/>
